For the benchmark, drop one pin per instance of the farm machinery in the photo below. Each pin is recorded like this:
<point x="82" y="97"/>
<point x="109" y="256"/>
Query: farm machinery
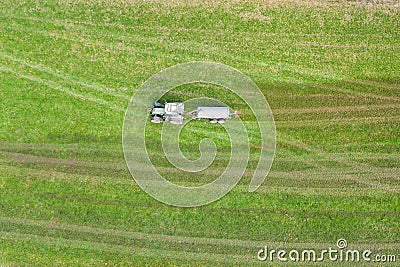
<point x="173" y="112"/>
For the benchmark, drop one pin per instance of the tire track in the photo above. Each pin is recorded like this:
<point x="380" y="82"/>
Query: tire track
<point x="210" y="50"/>
<point x="377" y="84"/>
<point x="334" y="109"/>
<point x="55" y="86"/>
<point x="180" y="239"/>
<point x="363" y="94"/>
<point x="333" y="122"/>
<point x="130" y="250"/>
<point x="121" y="165"/>
<point x="194" y="46"/>
<point x="27" y="158"/>
<point x="222" y="32"/>
<point x="323" y="185"/>
<point x="64" y="76"/>
<point x="358" y="168"/>
<point x="313" y="175"/>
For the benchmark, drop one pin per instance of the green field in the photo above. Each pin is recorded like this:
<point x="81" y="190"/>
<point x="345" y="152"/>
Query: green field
<point x="330" y="71"/>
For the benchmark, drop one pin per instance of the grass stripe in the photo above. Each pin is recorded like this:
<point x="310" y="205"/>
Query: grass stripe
<point x="127" y="250"/>
<point x="335" y="109"/>
<point x="61" y="75"/>
<point x="358" y="167"/>
<point x="55" y="86"/>
<point x="342" y="121"/>
<point x="184" y="239"/>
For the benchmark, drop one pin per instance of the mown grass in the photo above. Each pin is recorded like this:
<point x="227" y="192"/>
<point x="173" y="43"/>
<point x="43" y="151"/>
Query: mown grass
<point x="329" y="70"/>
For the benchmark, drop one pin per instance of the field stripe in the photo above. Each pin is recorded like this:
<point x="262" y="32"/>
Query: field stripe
<point x="55" y="86"/>
<point x="131" y="250"/>
<point x="377" y="84"/>
<point x="28" y="158"/>
<point x="210" y="50"/>
<point x="245" y="34"/>
<point x="195" y="46"/>
<point x="334" y="109"/>
<point x="68" y="77"/>
<point x="362" y="94"/>
<point x="121" y="165"/>
<point x="183" y="239"/>
<point x="24" y="148"/>
<point x="323" y="191"/>
<point x="330" y="122"/>
<point x="52" y="174"/>
<point x="346" y="172"/>
<point x="108" y="45"/>
<point x="357" y="167"/>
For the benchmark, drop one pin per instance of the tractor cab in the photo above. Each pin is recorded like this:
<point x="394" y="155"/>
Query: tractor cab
<point x="172" y="112"/>
<point x="157" y="113"/>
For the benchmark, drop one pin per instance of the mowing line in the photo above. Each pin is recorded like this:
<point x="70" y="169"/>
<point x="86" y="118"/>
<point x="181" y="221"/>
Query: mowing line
<point x="18" y="147"/>
<point x="328" y="122"/>
<point x="376" y="84"/>
<point x="222" y="32"/>
<point x="130" y="250"/>
<point x="64" y="76"/>
<point x="28" y="158"/>
<point x="293" y="68"/>
<point x="362" y="94"/>
<point x="194" y="46"/>
<point x="111" y="45"/>
<point x="54" y="85"/>
<point x="245" y="37"/>
<point x="358" y="167"/>
<point x="323" y="191"/>
<point x="52" y="174"/>
<point x="49" y="175"/>
<point x="180" y="239"/>
<point x="334" y="109"/>
<point x="383" y="172"/>
<point x="92" y="180"/>
<point x="330" y="174"/>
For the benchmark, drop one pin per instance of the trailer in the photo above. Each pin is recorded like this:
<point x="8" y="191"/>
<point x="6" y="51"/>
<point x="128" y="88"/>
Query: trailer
<point x="214" y="114"/>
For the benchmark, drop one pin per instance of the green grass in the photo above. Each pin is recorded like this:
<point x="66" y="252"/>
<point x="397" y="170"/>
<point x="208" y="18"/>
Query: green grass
<point x="329" y="70"/>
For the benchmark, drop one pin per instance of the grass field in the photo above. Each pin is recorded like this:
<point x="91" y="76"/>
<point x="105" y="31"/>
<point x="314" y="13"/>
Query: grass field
<point x="330" y="71"/>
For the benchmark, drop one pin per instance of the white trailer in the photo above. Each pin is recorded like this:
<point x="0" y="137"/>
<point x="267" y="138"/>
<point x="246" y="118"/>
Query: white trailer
<point x="214" y="114"/>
